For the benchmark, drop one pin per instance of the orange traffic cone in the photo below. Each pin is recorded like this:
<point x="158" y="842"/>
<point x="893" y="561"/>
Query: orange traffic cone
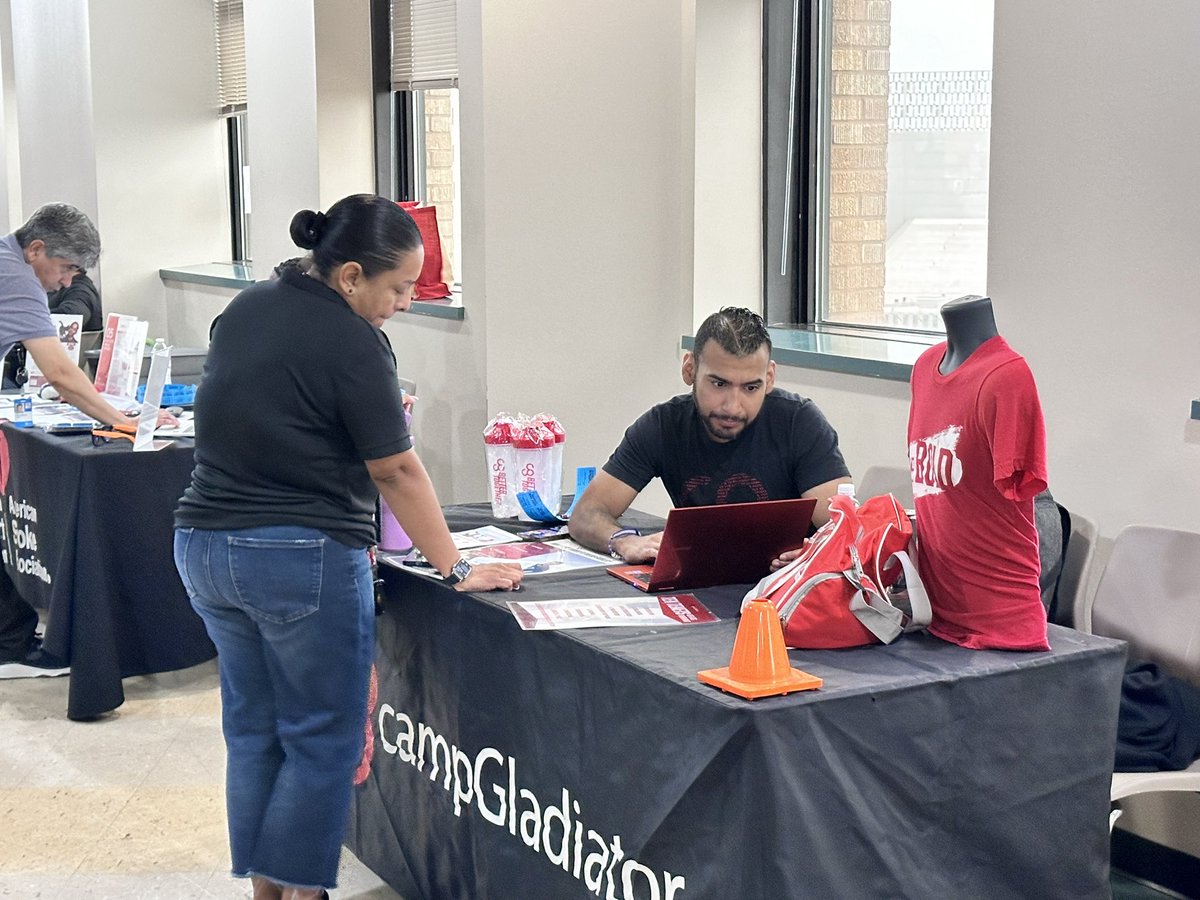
<point x="759" y="665"/>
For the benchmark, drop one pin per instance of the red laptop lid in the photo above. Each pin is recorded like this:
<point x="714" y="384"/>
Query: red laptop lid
<point x="729" y="543"/>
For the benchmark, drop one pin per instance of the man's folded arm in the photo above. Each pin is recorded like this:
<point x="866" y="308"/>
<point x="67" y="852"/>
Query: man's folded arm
<point x="594" y="521"/>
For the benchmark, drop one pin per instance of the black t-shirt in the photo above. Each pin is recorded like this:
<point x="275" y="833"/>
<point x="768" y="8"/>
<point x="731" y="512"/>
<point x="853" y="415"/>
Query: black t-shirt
<point x="79" y="298"/>
<point x="298" y="390"/>
<point x="789" y="448"/>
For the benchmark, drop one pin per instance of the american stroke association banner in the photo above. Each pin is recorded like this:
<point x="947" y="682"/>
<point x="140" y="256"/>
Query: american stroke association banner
<point x="19" y="526"/>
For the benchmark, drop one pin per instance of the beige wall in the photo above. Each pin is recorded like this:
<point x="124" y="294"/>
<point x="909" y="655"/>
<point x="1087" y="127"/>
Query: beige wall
<point x="159" y="148"/>
<point x="53" y="104"/>
<point x="727" y="240"/>
<point x="1093" y="261"/>
<point x="344" y="109"/>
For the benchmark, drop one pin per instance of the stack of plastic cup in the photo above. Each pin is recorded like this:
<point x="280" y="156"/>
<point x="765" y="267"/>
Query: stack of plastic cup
<point x="534" y="446"/>
<point x="502" y="466"/>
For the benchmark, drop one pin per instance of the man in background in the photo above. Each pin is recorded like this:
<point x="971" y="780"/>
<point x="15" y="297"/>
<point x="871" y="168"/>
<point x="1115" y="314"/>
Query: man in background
<point x="46" y="253"/>
<point x="733" y="439"/>
<point x="79" y="298"/>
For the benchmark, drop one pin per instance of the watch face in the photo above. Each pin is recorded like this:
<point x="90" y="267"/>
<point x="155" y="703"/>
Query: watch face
<point x="461" y="570"/>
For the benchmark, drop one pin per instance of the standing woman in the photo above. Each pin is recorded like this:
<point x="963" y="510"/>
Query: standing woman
<point x="299" y="424"/>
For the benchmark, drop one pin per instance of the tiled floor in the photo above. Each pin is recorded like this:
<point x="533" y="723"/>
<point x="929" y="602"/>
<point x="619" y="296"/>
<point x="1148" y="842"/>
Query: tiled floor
<point x="127" y="807"/>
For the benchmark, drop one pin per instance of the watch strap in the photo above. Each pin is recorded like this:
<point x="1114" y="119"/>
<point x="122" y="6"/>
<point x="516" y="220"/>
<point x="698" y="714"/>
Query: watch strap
<point x="620" y="533"/>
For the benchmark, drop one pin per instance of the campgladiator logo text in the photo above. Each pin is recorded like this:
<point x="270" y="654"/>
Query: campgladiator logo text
<point x="935" y="466"/>
<point x="488" y="780"/>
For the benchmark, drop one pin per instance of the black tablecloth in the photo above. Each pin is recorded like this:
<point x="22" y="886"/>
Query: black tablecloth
<point x="89" y="535"/>
<point x="920" y="770"/>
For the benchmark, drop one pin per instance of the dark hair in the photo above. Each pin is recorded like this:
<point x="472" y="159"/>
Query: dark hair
<point x="738" y="330"/>
<point x="363" y="228"/>
<point x="66" y="231"/>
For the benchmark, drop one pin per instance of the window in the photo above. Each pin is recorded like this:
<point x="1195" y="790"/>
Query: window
<point x="876" y="133"/>
<point x="231" y="99"/>
<point x="416" y="84"/>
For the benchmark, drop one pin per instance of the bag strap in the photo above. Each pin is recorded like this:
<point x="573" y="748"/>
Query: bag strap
<point x="918" y="597"/>
<point x="876" y="612"/>
<point x="873" y="610"/>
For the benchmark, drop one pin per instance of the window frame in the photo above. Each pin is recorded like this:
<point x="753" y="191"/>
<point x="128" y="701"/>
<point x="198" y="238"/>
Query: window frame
<point x="239" y="215"/>
<point x="795" y="282"/>
<point x="400" y="152"/>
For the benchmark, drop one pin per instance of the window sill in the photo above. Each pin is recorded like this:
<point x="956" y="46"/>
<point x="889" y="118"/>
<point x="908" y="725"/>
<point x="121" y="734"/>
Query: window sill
<point x="448" y="308"/>
<point x="241" y="276"/>
<point x="232" y="275"/>
<point x="875" y="354"/>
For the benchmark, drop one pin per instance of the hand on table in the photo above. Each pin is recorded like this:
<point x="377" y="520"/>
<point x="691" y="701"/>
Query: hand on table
<point x="165" y="419"/>
<point x="638" y="548"/>
<point x="492" y="577"/>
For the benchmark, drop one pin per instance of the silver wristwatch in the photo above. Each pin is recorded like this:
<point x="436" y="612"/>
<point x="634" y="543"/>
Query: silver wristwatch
<point x="460" y="571"/>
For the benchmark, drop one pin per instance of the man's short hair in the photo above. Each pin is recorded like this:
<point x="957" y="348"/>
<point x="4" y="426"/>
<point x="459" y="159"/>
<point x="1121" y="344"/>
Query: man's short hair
<point x="737" y="330"/>
<point x="66" y="231"/>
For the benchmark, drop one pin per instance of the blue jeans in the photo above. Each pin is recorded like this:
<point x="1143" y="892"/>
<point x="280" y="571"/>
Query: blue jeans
<point x="291" y="612"/>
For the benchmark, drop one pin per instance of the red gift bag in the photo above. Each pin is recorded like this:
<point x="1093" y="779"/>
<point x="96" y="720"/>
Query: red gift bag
<point x="436" y="277"/>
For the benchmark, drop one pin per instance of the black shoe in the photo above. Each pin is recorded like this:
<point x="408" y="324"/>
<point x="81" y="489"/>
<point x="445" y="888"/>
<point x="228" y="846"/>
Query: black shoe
<point x="41" y="658"/>
<point x="36" y="661"/>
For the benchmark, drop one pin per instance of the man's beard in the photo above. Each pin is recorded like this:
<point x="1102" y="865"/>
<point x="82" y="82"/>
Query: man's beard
<point x="718" y="432"/>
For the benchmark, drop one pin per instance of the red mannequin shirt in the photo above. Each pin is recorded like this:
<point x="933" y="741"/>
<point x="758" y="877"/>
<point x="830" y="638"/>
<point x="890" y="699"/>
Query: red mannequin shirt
<point x="977" y="451"/>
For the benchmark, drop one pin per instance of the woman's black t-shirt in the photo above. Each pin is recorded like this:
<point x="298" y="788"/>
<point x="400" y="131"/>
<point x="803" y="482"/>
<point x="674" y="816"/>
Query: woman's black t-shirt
<point x="298" y="390"/>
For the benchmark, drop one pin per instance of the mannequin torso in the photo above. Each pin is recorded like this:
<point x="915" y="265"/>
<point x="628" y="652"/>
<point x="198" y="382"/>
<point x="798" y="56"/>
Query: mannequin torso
<point x="969" y="323"/>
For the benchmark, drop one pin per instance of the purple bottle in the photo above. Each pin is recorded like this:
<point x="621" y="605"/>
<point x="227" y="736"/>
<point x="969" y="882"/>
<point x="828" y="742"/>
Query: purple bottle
<point x="391" y="536"/>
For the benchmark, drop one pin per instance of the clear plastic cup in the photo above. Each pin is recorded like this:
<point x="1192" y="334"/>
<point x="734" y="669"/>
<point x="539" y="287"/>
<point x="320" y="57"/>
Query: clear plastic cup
<point x="534" y="446"/>
<point x="502" y="467"/>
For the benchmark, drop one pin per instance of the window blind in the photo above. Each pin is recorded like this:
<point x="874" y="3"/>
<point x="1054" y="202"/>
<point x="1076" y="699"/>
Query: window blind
<point x="424" y="44"/>
<point x="231" y="56"/>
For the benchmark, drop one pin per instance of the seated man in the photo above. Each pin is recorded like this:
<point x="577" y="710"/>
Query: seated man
<point x="79" y="298"/>
<point x="733" y="440"/>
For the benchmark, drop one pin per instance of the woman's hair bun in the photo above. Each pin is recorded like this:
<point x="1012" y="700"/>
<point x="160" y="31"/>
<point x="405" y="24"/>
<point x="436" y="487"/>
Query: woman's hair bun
<point x="307" y="228"/>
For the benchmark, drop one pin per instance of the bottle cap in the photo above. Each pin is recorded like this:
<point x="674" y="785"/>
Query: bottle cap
<point x="532" y="436"/>
<point x="499" y="430"/>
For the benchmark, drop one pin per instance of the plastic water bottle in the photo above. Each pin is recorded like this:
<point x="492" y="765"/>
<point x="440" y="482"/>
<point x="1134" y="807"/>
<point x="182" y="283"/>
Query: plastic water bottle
<point x="502" y="466"/>
<point x="847" y="490"/>
<point x="160" y="345"/>
<point x="533" y="443"/>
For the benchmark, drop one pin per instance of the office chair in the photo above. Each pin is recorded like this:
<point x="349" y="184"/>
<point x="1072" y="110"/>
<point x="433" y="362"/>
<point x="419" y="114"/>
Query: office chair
<point x="1149" y="595"/>
<point x="886" y="480"/>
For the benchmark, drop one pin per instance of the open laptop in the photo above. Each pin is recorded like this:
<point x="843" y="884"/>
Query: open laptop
<point x="730" y="543"/>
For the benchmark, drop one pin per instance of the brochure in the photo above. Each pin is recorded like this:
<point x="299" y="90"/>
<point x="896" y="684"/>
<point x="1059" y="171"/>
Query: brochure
<point x="482" y="537"/>
<point x="643" y="612"/>
<point x="535" y="557"/>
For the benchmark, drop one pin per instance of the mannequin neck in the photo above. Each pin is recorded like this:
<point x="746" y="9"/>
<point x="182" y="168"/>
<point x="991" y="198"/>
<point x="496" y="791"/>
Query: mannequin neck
<point x="969" y="323"/>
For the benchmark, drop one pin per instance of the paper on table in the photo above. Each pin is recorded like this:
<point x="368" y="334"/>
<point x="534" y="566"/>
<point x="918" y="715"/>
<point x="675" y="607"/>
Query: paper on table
<point x="185" y="428"/>
<point x="535" y="558"/>
<point x="599" y="612"/>
<point x="483" y="536"/>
